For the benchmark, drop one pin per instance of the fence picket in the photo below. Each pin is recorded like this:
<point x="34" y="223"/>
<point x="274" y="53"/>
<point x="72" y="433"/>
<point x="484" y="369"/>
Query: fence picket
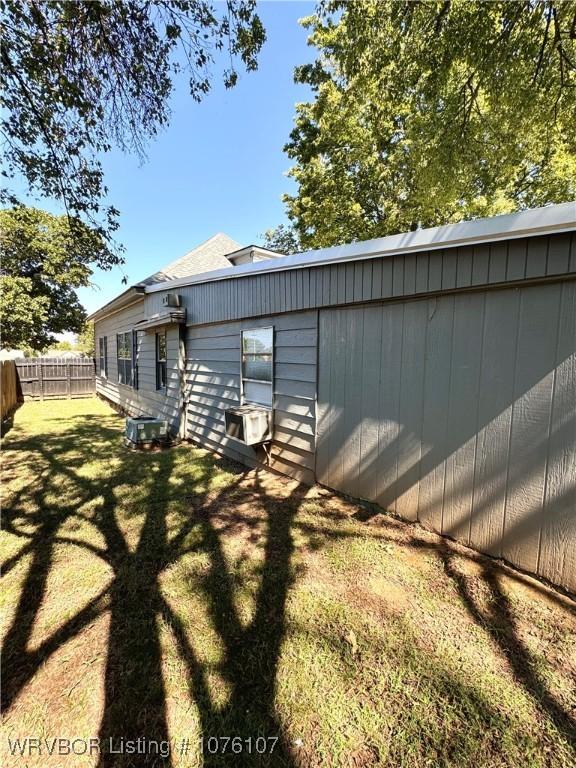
<point x="9" y="385"/>
<point x="53" y="378"/>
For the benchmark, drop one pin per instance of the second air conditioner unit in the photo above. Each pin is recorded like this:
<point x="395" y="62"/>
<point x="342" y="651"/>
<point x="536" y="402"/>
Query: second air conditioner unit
<point x="250" y="424"/>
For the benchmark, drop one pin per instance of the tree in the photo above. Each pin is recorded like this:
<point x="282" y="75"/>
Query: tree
<point x="80" y="77"/>
<point x="44" y="258"/>
<point x="60" y="346"/>
<point x="85" y="340"/>
<point x="283" y="239"/>
<point x="428" y="113"/>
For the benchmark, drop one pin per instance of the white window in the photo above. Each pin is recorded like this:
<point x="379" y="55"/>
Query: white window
<point x="126" y="348"/>
<point x="258" y="366"/>
<point x="161" y="360"/>
<point x="103" y="350"/>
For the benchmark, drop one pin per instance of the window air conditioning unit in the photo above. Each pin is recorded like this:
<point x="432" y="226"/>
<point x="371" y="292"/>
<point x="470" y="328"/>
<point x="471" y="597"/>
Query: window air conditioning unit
<point x="171" y="300"/>
<point x="144" y="430"/>
<point x="250" y="424"/>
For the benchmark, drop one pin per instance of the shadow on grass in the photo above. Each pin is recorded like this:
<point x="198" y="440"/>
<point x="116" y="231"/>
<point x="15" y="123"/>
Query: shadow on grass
<point x="8" y="421"/>
<point x="135" y="699"/>
<point x="135" y="696"/>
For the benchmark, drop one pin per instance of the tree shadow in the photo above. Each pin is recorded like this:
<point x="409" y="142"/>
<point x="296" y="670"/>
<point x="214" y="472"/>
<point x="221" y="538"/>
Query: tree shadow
<point x="135" y="696"/>
<point x="498" y="619"/>
<point x="133" y="599"/>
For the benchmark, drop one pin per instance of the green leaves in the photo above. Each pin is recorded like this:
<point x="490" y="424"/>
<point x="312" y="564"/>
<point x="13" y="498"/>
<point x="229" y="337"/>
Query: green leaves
<point x="80" y="78"/>
<point x="44" y="259"/>
<point x="426" y="113"/>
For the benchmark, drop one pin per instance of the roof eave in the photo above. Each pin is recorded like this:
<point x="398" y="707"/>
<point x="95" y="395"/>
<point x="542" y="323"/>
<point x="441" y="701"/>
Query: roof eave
<point x="129" y="296"/>
<point x="531" y="223"/>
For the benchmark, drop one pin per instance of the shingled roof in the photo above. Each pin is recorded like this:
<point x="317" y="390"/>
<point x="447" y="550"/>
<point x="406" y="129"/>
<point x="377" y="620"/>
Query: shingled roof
<point x="206" y="257"/>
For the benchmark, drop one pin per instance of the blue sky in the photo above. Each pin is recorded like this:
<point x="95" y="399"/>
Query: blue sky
<point x="218" y="167"/>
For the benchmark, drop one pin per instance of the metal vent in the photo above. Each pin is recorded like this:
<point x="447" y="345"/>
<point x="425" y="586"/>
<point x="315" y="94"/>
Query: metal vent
<point x="171" y="300"/>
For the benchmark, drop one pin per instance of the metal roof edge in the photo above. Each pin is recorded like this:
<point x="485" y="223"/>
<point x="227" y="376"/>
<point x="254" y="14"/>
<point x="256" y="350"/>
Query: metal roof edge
<point x="123" y="300"/>
<point x="528" y="223"/>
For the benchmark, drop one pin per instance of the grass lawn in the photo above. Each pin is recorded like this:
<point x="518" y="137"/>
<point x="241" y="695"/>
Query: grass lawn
<point x="175" y="596"/>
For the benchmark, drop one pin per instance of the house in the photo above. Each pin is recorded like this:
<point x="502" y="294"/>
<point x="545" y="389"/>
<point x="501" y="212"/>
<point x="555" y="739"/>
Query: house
<point x="431" y="372"/>
<point x="11" y="354"/>
<point x="66" y="354"/>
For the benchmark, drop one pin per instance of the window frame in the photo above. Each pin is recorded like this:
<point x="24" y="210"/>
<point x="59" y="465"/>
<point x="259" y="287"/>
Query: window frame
<point x="161" y="363"/>
<point x="127" y="375"/>
<point x="103" y="356"/>
<point x="249" y="379"/>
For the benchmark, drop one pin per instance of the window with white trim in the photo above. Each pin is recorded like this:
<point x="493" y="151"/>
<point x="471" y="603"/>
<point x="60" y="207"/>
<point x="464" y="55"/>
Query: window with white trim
<point x="161" y="360"/>
<point x="125" y="355"/>
<point x="103" y="354"/>
<point x="257" y="365"/>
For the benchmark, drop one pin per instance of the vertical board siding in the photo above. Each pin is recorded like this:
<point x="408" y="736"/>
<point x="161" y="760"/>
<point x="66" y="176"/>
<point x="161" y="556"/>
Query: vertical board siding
<point x="212" y="384"/>
<point x="496" y="396"/>
<point x="466" y="355"/>
<point x="146" y="400"/>
<point x="374" y="279"/>
<point x="557" y="560"/>
<point x="369" y="389"/>
<point x="435" y="437"/>
<point x="410" y="414"/>
<point x="386" y="462"/>
<point x="459" y="411"/>
<point x="531" y="412"/>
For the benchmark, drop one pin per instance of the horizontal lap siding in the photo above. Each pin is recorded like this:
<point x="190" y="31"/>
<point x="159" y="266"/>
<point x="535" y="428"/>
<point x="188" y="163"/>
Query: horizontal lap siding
<point x="213" y="385"/>
<point x="146" y="400"/>
<point x="376" y="278"/>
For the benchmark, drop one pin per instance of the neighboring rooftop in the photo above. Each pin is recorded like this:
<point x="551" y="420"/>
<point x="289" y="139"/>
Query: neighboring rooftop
<point x="206" y="257"/>
<point x="213" y="255"/>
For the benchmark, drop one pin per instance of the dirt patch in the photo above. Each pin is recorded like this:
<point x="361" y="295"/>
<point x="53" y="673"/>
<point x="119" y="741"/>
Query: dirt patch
<point x="364" y="756"/>
<point x="393" y="595"/>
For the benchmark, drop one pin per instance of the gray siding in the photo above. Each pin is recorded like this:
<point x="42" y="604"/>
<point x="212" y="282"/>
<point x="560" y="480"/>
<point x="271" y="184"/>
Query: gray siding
<point x="446" y="394"/>
<point x="213" y="384"/>
<point x="146" y="400"/>
<point x="460" y="411"/>
<point x="463" y="268"/>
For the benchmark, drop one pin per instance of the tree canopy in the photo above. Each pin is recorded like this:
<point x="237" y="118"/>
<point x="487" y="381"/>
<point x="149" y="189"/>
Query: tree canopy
<point x="85" y="340"/>
<point x="81" y="77"/>
<point x="44" y="259"/>
<point x="429" y="113"/>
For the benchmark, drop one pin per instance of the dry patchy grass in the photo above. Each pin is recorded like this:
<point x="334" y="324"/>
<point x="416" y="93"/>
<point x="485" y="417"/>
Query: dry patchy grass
<point x="173" y="595"/>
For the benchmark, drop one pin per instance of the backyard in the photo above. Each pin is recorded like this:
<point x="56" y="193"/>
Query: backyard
<point x="175" y="596"/>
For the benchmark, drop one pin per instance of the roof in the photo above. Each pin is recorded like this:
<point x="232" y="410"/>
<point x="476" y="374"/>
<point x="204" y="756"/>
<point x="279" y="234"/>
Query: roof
<point x="529" y="223"/>
<point x="257" y="251"/>
<point x="206" y="257"/>
<point x="123" y="300"/>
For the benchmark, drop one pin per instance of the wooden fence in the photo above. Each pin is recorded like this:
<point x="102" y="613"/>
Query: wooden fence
<point x="49" y="378"/>
<point x="9" y="384"/>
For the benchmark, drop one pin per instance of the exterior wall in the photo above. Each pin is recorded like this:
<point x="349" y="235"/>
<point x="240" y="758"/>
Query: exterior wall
<point x="447" y="392"/>
<point x="390" y="277"/>
<point x="146" y="400"/>
<point x="213" y="384"/>
<point x="459" y="411"/>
